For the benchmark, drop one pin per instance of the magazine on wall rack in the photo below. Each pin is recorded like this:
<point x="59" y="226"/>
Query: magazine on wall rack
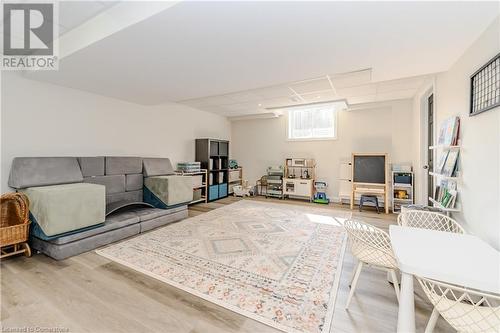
<point x="450" y="166"/>
<point x="449" y="131"/>
<point x="446" y="193"/>
<point x="442" y="161"/>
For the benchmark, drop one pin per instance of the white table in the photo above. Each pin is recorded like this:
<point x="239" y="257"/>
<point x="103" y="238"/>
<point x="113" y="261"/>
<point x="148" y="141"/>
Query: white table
<point x="464" y="260"/>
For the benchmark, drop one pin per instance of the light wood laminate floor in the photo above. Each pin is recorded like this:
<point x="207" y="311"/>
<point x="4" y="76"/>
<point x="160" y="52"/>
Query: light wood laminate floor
<point x="89" y="293"/>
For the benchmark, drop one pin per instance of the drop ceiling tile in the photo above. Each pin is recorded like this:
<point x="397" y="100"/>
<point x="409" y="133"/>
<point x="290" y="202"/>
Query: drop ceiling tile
<point x="272" y="92"/>
<point x="280" y="102"/>
<point x="351" y="79"/>
<point x="217" y="100"/>
<point x="398" y="94"/>
<point x="402" y="84"/>
<point x="310" y="86"/>
<point x="320" y="96"/>
<point x="361" y="99"/>
<point x="363" y="90"/>
<point x="245" y="96"/>
<point x="241" y="106"/>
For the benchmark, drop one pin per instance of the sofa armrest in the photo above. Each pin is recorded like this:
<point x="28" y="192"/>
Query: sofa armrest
<point x="168" y="191"/>
<point x="62" y="208"/>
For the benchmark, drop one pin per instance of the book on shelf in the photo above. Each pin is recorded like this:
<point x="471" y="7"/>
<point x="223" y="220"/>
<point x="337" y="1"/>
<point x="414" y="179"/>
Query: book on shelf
<point x="442" y="161"/>
<point x="446" y="194"/>
<point x="450" y="166"/>
<point x="450" y="203"/>
<point x="449" y="131"/>
<point x="448" y="200"/>
<point x="437" y="193"/>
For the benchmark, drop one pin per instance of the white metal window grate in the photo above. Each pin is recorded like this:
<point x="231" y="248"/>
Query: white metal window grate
<point x="485" y="87"/>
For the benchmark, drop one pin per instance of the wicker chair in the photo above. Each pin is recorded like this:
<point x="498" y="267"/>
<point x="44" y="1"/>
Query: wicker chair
<point x="465" y="310"/>
<point x="429" y="220"/>
<point x="372" y="247"/>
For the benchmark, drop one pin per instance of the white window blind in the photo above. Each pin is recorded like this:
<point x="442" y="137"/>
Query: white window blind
<point x="312" y="122"/>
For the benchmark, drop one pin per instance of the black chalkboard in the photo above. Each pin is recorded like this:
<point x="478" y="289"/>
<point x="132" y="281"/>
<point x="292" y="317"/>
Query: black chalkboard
<point x="369" y="169"/>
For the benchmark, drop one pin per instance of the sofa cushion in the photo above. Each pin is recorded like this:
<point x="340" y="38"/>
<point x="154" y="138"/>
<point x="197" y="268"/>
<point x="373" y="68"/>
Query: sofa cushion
<point x="132" y="196"/>
<point x="119" y="205"/>
<point x="41" y="171"/>
<point x="63" y="251"/>
<point x="62" y="208"/>
<point x="118" y="165"/>
<point x="145" y="214"/>
<point x="164" y="220"/>
<point x="113" y="183"/>
<point x="92" y="166"/>
<point x="165" y="191"/>
<point x="157" y="167"/>
<point x="112" y="222"/>
<point x="134" y="182"/>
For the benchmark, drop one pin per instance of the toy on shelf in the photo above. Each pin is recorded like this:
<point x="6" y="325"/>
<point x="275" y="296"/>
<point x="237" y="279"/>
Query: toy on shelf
<point x="320" y="195"/>
<point x="233" y="164"/>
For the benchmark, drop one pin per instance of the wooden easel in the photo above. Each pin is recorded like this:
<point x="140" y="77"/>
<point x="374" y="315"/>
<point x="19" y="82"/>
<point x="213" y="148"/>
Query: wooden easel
<point x="378" y="189"/>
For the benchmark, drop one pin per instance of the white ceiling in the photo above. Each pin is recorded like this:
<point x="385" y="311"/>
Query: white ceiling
<point x="74" y="13"/>
<point x="199" y="49"/>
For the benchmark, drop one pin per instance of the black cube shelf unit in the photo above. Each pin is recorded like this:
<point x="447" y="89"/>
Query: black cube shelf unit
<point x="214" y="156"/>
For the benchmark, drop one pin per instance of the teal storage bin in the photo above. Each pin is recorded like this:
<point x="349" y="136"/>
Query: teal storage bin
<point x="222" y="190"/>
<point x="213" y="192"/>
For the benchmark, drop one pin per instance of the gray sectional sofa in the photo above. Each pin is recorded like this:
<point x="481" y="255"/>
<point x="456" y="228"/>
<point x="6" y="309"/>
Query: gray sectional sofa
<point x="78" y="204"/>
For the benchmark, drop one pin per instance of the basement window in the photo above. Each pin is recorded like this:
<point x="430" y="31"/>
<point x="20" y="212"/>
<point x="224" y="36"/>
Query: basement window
<point x="312" y="122"/>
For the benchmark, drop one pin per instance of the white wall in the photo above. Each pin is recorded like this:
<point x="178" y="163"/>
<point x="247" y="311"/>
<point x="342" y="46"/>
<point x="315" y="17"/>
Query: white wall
<point x="259" y="143"/>
<point x="480" y="156"/>
<point x="40" y="119"/>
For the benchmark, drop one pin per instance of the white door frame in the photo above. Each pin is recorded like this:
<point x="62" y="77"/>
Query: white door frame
<point x="421" y="173"/>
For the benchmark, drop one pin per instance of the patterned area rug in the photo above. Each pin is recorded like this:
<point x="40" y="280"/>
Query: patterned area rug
<point x="279" y="264"/>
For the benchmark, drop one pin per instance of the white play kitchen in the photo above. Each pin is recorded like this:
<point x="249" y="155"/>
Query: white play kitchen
<point x="299" y="178"/>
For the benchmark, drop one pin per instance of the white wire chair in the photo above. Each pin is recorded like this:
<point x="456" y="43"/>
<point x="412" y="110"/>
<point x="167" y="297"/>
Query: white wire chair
<point x="429" y="220"/>
<point x="434" y="221"/>
<point x="372" y="247"/>
<point x="466" y="310"/>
